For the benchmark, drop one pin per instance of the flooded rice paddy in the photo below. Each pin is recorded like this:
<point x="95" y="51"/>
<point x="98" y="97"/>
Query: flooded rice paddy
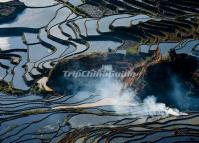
<point x="50" y="31"/>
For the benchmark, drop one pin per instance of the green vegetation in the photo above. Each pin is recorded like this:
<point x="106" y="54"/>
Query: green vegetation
<point x="40" y="91"/>
<point x="23" y="38"/>
<point x="133" y="50"/>
<point x="33" y="111"/>
<point x="75" y="9"/>
<point x="3" y="14"/>
<point x="195" y="78"/>
<point x="7" y="88"/>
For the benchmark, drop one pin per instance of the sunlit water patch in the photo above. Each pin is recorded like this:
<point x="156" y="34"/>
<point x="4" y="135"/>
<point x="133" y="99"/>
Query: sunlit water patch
<point x="39" y="3"/>
<point x="5" y="1"/>
<point x="33" y="18"/>
<point x="7" y="43"/>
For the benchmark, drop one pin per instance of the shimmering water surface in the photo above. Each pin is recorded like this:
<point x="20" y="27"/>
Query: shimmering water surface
<point x="49" y="31"/>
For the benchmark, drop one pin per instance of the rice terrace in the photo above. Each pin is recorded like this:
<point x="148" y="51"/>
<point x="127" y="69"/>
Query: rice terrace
<point x="99" y="71"/>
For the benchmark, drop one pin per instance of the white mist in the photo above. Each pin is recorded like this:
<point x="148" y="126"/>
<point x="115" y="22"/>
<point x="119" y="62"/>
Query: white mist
<point x="124" y="100"/>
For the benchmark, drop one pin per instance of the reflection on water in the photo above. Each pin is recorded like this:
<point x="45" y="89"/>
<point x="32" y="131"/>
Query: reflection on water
<point x="4" y="43"/>
<point x="15" y="42"/>
<point x="33" y="18"/>
<point x="5" y="0"/>
<point x="38" y="3"/>
<point x="106" y="103"/>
